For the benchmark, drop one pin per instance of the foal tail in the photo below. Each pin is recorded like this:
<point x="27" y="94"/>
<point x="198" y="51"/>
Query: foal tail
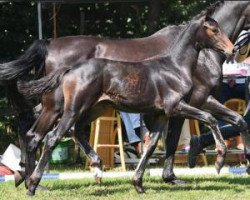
<point x="33" y="57"/>
<point x="45" y="84"/>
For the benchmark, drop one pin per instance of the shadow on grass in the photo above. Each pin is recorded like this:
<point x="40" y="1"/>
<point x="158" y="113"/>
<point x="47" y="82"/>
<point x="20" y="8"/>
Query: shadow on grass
<point x="69" y="185"/>
<point x="122" y="186"/>
<point x="107" y="187"/>
<point x="241" y="180"/>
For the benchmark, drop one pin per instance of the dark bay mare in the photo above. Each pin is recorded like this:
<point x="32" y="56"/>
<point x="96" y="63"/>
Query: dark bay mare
<point x="155" y="87"/>
<point x="67" y="51"/>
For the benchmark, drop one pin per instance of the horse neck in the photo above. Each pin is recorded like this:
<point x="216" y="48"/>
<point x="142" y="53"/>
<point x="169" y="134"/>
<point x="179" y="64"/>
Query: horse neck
<point x="228" y="16"/>
<point x="183" y="51"/>
<point x="168" y="34"/>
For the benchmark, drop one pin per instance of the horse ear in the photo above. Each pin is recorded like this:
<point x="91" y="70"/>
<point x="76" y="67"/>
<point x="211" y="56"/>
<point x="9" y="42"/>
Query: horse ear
<point x="208" y="21"/>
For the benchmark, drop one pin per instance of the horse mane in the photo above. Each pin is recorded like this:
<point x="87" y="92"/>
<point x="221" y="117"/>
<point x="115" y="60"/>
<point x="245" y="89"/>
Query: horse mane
<point x="163" y="30"/>
<point x="209" y="10"/>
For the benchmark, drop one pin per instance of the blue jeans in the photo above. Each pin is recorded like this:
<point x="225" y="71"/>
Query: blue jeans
<point x="131" y="122"/>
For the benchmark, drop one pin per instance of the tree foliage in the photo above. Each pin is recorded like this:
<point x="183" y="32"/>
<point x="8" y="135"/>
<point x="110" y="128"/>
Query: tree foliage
<point x="19" y="27"/>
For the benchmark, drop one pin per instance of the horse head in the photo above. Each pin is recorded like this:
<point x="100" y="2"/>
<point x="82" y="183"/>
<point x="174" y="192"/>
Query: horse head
<point x="210" y="35"/>
<point x="233" y="16"/>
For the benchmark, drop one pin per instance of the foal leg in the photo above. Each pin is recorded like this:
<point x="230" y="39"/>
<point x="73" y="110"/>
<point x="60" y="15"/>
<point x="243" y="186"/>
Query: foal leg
<point x="74" y="106"/>
<point x="64" y="125"/>
<point x="171" y="144"/>
<point x="157" y="124"/>
<point x="51" y="107"/>
<point x="82" y="139"/>
<point x="35" y="135"/>
<point x="223" y="113"/>
<point x="187" y="111"/>
<point x="25" y="121"/>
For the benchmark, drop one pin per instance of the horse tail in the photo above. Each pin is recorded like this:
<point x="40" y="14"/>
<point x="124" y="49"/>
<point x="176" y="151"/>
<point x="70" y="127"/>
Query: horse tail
<point x="36" y="88"/>
<point x="33" y="57"/>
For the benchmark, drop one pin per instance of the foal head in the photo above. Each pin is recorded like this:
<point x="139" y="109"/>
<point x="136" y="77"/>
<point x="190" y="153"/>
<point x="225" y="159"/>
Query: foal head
<point x="209" y="35"/>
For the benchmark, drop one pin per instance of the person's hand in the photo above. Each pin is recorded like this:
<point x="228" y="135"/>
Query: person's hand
<point x="231" y="82"/>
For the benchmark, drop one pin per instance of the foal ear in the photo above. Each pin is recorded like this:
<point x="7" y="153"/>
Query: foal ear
<point x="209" y="22"/>
<point x="208" y="18"/>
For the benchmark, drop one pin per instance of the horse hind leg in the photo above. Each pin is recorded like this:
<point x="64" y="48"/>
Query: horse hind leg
<point x="73" y="108"/>
<point x="82" y="140"/>
<point x="171" y="142"/>
<point x="34" y="137"/>
<point x="25" y="121"/>
<point x="157" y="124"/>
<point x="54" y="137"/>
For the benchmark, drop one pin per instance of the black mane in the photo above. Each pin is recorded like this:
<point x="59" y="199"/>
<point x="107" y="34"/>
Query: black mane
<point x="209" y="10"/>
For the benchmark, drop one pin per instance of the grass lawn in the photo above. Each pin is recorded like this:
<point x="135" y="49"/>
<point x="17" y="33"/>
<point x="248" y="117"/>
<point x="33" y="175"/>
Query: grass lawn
<point x="228" y="187"/>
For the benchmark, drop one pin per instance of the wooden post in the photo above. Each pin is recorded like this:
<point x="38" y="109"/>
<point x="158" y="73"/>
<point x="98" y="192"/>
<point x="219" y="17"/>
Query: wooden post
<point x="54" y="21"/>
<point x="39" y="18"/>
<point x="82" y="22"/>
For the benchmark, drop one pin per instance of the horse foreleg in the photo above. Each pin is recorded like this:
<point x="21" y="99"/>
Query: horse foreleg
<point x="171" y="142"/>
<point x="25" y="121"/>
<point x="155" y="128"/>
<point x="225" y="114"/>
<point x="184" y="110"/>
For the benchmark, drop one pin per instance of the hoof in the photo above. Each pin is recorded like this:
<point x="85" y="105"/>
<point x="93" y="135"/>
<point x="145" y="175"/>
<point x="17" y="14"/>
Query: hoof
<point x="138" y="186"/>
<point x="19" y="178"/>
<point x="218" y="166"/>
<point x="98" y="180"/>
<point x="29" y="193"/>
<point x="220" y="161"/>
<point x="177" y="182"/>
<point x="98" y="175"/>
<point x="173" y="180"/>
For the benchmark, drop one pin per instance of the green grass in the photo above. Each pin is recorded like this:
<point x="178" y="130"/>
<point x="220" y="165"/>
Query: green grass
<point x="230" y="187"/>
